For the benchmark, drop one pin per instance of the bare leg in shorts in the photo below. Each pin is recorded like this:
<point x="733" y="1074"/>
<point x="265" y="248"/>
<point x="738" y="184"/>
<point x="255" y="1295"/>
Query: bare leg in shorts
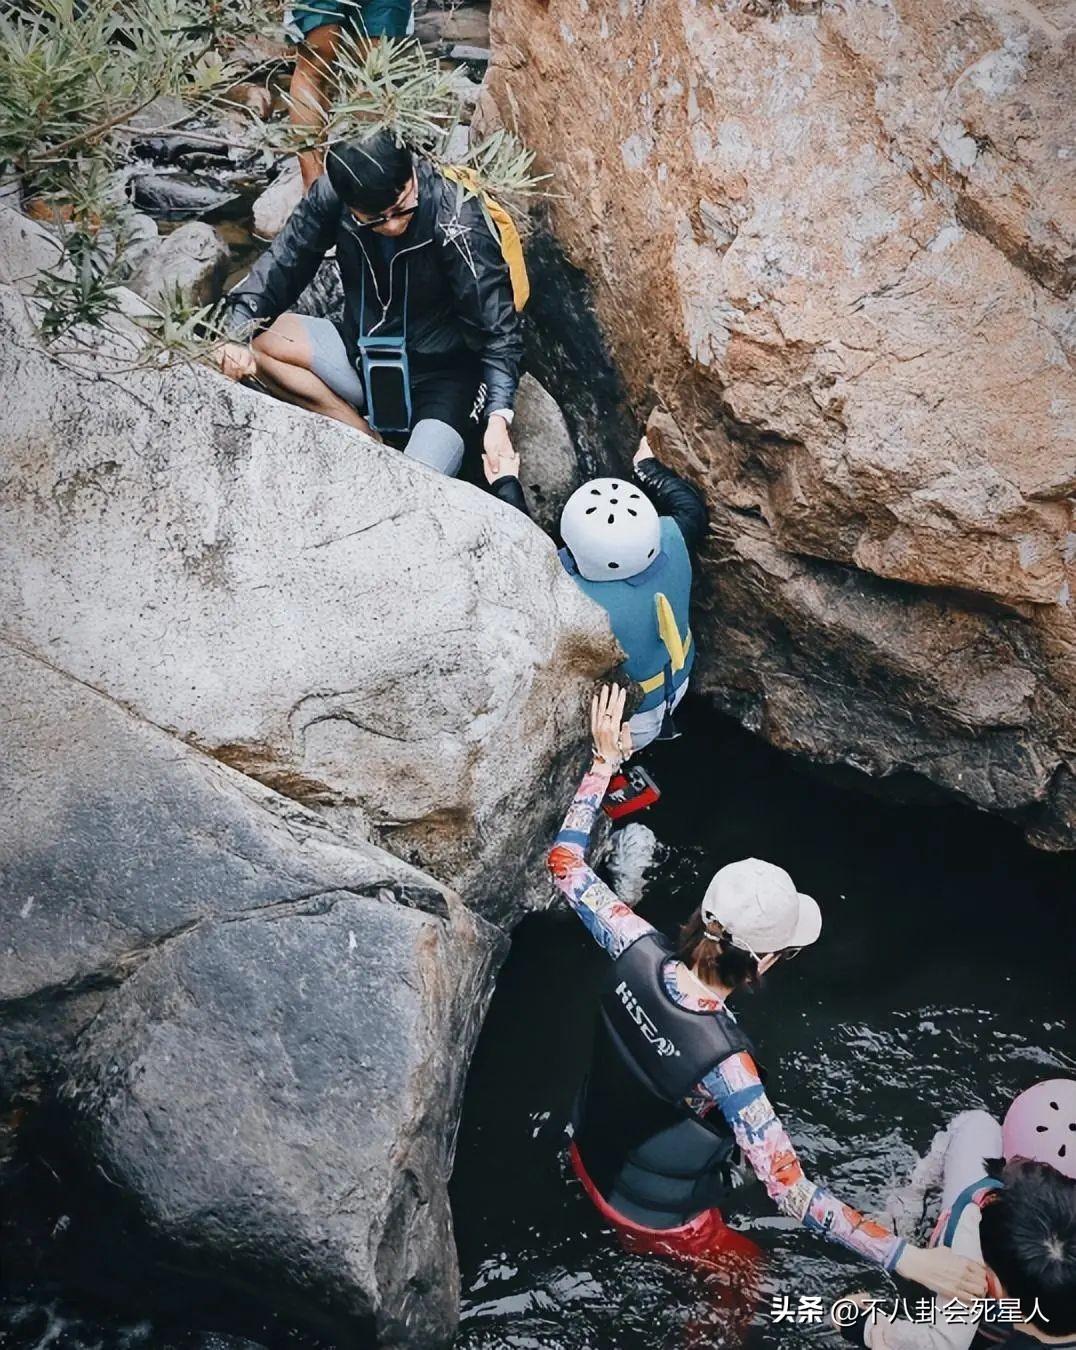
<point x="309" y="94"/>
<point x="311" y="89"/>
<point x="303" y="360"/>
<point x="285" y="356"/>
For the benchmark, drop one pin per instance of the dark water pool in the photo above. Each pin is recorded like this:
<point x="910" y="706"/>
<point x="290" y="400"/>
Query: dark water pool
<point x="943" y="980"/>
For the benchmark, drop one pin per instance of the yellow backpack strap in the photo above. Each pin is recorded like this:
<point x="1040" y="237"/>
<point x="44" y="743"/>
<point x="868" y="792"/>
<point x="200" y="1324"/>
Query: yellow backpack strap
<point x="670" y="633"/>
<point x="504" y="227"/>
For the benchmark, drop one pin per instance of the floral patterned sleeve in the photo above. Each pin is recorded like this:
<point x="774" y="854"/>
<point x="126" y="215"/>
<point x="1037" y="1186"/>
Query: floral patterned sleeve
<point x="612" y="924"/>
<point x="735" y="1089"/>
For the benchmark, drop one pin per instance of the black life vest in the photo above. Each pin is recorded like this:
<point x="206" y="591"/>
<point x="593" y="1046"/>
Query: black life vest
<point x="650" y="1157"/>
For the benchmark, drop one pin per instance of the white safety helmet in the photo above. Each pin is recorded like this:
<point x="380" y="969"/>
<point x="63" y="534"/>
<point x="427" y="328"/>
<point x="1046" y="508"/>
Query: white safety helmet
<point x="611" y="529"/>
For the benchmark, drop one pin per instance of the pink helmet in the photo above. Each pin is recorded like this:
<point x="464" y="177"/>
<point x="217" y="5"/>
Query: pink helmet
<point x="1041" y="1125"/>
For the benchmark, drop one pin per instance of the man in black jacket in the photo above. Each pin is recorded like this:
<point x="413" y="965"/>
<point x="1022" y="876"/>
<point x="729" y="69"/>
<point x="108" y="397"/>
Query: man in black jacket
<point x="422" y="274"/>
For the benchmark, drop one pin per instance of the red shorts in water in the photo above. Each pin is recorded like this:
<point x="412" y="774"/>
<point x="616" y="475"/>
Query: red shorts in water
<point x="707" y="1239"/>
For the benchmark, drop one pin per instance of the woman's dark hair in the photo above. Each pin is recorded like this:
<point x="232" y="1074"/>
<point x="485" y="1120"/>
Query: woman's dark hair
<point x="714" y="959"/>
<point x="1028" y="1237"/>
<point x="369" y="174"/>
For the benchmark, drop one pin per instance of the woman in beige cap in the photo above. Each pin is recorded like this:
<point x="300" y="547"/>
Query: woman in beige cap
<point x="674" y="1088"/>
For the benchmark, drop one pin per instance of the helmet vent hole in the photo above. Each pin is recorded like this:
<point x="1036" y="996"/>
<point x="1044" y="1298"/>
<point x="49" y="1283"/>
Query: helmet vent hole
<point x="590" y="510"/>
<point x="1054" y="1106"/>
<point x="635" y="496"/>
<point x="612" y="501"/>
<point x="650" y="554"/>
<point x="1061" y="1150"/>
<point x="594" y="492"/>
<point x="631" y="512"/>
<point x="614" y="566"/>
<point x="1040" y="1129"/>
<point x="1072" y="1124"/>
<point x="610" y="520"/>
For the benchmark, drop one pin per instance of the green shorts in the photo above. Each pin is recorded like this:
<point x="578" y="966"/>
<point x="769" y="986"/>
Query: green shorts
<point x="368" y="18"/>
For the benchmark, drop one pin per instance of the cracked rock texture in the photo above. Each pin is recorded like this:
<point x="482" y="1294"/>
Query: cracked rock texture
<point x="261" y="1029"/>
<point x="834" y="244"/>
<point x="352" y="629"/>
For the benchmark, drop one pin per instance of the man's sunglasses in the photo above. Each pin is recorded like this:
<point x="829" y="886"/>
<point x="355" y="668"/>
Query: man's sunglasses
<point x="399" y="214"/>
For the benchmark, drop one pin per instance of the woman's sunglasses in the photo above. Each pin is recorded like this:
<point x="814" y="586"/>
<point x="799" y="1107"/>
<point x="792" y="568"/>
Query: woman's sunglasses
<point x="786" y="954"/>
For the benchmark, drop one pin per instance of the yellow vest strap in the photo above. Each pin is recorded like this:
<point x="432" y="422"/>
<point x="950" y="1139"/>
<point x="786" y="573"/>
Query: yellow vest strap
<point x="507" y="234"/>
<point x="655" y="681"/>
<point x="669" y="632"/>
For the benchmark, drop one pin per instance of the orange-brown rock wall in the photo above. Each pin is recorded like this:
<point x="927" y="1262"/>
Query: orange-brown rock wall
<point x="833" y="245"/>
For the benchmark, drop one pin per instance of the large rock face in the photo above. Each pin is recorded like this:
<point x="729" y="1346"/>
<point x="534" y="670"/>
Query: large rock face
<point x="356" y="631"/>
<point x="262" y="1028"/>
<point x="218" y="612"/>
<point x="834" y="244"/>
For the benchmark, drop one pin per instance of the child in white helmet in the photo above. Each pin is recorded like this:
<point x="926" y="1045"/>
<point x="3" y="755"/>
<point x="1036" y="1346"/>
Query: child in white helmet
<point x="630" y="544"/>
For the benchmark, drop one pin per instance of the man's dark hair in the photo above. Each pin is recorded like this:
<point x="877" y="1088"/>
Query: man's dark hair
<point x="369" y="174"/>
<point x="1028" y="1236"/>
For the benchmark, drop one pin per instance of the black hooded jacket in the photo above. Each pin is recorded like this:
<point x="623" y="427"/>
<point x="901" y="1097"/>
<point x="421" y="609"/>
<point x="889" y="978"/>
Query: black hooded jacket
<point x="459" y="296"/>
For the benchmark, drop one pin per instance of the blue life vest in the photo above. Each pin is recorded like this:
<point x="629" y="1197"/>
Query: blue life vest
<point x="633" y="607"/>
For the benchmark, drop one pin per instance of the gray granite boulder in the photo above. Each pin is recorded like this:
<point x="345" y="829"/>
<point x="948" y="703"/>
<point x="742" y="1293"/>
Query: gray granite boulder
<point x="356" y="631"/>
<point x="192" y="260"/>
<point x="261" y="1029"/>
<point x="549" y="469"/>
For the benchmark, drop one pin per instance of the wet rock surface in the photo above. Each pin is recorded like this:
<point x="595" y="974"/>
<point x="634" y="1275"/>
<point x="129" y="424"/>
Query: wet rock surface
<point x="835" y="252"/>
<point x="259" y="1028"/>
<point x="183" y="196"/>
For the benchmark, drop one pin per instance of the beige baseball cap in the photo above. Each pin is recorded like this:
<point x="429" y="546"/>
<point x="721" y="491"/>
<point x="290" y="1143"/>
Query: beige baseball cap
<point x="759" y="907"/>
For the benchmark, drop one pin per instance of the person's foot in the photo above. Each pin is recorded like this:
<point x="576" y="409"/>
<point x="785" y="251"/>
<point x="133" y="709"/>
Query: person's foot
<point x="311" y="164"/>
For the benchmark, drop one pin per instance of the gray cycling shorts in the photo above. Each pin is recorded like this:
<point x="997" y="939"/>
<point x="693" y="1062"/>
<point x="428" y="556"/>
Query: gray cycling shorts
<point x="431" y="442"/>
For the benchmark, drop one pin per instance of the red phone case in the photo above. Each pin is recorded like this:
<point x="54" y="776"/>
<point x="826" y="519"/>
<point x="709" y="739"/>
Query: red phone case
<point x="630" y="792"/>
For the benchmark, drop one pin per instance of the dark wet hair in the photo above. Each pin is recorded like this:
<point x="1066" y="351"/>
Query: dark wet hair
<point x="714" y="959"/>
<point x="369" y="173"/>
<point x="1028" y="1236"/>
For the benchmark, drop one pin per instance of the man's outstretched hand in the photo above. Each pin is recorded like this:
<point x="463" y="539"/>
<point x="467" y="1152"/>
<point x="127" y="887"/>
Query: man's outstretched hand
<point x="236" y="361"/>
<point x="499" y="456"/>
